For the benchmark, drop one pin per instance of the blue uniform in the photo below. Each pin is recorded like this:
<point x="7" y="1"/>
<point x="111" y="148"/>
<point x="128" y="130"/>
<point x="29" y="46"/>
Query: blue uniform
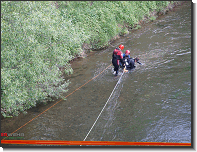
<point x="124" y="55"/>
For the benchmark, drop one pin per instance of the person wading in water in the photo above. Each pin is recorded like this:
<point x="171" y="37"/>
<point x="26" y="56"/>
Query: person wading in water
<point x="117" y="57"/>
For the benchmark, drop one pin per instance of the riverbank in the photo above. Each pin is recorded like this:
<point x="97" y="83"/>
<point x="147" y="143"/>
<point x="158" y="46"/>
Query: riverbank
<point x="54" y="34"/>
<point x="86" y="49"/>
<point x="126" y="28"/>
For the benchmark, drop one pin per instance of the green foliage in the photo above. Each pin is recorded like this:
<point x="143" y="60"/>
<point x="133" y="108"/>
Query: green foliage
<point x="37" y="37"/>
<point x="152" y="18"/>
<point x="161" y="5"/>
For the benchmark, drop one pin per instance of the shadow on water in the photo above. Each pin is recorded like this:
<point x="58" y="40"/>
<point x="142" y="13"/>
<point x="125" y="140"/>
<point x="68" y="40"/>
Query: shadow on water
<point x="150" y="104"/>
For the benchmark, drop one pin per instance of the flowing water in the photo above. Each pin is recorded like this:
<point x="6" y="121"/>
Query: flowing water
<point x="150" y="104"/>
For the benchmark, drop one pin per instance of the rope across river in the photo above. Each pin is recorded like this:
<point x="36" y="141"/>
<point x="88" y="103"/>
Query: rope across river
<point x="104" y="105"/>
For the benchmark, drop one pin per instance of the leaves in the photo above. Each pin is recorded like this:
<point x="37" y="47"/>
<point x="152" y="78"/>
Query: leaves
<point x="33" y="43"/>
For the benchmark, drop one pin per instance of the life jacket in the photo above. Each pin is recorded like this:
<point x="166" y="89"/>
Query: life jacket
<point x="116" y="51"/>
<point x="117" y="54"/>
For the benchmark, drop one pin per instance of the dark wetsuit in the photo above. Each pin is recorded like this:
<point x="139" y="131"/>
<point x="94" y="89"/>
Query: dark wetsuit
<point x="129" y="63"/>
<point x="116" y="57"/>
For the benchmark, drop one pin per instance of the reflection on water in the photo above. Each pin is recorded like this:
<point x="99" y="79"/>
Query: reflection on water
<point x="151" y="103"/>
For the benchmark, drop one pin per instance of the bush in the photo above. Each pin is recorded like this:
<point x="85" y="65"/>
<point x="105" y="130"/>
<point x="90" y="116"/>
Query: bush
<point x="35" y="39"/>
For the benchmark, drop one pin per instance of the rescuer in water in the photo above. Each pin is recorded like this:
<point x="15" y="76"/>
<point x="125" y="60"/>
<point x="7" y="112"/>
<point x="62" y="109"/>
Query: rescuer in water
<point x="129" y="62"/>
<point x="117" y="57"/>
<point x="126" y="54"/>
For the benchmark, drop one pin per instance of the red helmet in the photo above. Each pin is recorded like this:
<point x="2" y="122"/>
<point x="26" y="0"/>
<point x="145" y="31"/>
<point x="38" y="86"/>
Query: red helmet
<point x="121" y="47"/>
<point x="127" y="52"/>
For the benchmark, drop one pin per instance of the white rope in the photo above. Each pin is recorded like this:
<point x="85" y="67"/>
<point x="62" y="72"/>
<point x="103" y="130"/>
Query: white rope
<point x="103" y="107"/>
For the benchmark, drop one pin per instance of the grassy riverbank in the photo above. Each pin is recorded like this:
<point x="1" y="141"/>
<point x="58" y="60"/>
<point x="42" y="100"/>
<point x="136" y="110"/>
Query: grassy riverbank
<point x="39" y="37"/>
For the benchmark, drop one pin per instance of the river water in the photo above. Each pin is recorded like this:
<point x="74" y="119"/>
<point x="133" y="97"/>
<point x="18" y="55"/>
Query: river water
<point x="150" y="104"/>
